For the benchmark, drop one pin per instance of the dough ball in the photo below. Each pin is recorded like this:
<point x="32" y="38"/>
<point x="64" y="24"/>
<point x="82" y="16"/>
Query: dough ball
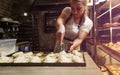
<point x="17" y="54"/>
<point x="36" y="59"/>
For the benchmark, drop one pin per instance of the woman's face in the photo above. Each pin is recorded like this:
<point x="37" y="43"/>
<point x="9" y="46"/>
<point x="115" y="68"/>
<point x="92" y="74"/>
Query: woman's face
<point x="77" y="9"/>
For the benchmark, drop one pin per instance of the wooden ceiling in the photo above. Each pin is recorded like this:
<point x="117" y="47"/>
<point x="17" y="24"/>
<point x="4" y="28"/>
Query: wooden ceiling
<point x="48" y="2"/>
<point x="26" y="5"/>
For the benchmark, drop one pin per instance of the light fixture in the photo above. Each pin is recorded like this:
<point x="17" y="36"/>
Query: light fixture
<point x="25" y="14"/>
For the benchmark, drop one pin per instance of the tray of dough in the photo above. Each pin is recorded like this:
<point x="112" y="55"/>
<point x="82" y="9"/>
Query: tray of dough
<point x="113" y="49"/>
<point x="62" y="58"/>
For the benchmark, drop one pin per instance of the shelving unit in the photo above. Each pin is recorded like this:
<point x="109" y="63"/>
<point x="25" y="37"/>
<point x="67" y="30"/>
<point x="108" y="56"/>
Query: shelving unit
<point x="104" y="34"/>
<point x="10" y="29"/>
<point x="105" y="55"/>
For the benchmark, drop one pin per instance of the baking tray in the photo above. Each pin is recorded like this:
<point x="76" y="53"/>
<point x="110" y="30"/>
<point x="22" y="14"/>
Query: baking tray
<point x="82" y="64"/>
<point x="114" y="53"/>
<point x="45" y="64"/>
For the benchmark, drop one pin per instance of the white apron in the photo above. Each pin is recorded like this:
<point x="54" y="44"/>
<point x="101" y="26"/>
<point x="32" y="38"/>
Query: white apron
<point x="71" y="32"/>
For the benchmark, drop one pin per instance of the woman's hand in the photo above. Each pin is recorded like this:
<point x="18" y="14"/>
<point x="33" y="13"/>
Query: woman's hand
<point x="70" y="47"/>
<point x="60" y="33"/>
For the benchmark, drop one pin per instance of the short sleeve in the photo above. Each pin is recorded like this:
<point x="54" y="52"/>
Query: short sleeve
<point x="87" y="25"/>
<point x="66" y="11"/>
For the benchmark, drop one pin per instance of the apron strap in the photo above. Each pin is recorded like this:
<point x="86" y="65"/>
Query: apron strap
<point x="80" y="22"/>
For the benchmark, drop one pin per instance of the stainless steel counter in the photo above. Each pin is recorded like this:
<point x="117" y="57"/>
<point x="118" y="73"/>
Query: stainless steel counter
<point x="90" y="69"/>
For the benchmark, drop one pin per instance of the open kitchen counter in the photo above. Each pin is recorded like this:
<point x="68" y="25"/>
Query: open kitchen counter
<point x="90" y="69"/>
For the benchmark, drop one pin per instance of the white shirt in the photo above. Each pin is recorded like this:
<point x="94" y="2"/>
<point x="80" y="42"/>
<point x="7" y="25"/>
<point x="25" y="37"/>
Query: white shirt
<point x="71" y="28"/>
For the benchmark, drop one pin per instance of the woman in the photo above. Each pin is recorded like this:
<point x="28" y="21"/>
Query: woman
<point x="73" y="25"/>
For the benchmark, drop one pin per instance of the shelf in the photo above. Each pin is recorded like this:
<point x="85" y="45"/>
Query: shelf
<point x="12" y="22"/>
<point x="10" y="29"/>
<point x="113" y="53"/>
<point x="102" y="29"/>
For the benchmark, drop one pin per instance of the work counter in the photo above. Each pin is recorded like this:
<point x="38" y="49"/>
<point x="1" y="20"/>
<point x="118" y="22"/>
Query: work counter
<point x="90" y="69"/>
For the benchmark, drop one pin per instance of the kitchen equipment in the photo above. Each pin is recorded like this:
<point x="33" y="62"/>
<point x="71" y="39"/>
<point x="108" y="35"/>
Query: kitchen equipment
<point x="7" y="46"/>
<point x="59" y="46"/>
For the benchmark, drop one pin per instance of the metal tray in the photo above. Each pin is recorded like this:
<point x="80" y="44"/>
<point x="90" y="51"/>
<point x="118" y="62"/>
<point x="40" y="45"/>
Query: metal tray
<point x="44" y="64"/>
<point x="82" y="64"/>
<point x="114" y="53"/>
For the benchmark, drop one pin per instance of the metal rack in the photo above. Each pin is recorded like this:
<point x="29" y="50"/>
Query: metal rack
<point x="103" y="53"/>
<point x="10" y="29"/>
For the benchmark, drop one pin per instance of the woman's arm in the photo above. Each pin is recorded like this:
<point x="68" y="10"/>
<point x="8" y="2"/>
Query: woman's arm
<point x="60" y="27"/>
<point x="63" y="16"/>
<point x="60" y="21"/>
<point x="81" y="36"/>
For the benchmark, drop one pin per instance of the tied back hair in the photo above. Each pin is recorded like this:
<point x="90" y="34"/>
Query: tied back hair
<point x="82" y="1"/>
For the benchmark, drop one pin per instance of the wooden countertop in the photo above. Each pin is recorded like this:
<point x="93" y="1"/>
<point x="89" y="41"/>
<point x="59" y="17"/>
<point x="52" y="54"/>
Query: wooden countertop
<point x="90" y="69"/>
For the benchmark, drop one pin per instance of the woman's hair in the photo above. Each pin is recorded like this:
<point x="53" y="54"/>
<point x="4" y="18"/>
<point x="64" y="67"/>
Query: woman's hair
<point x="84" y="2"/>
